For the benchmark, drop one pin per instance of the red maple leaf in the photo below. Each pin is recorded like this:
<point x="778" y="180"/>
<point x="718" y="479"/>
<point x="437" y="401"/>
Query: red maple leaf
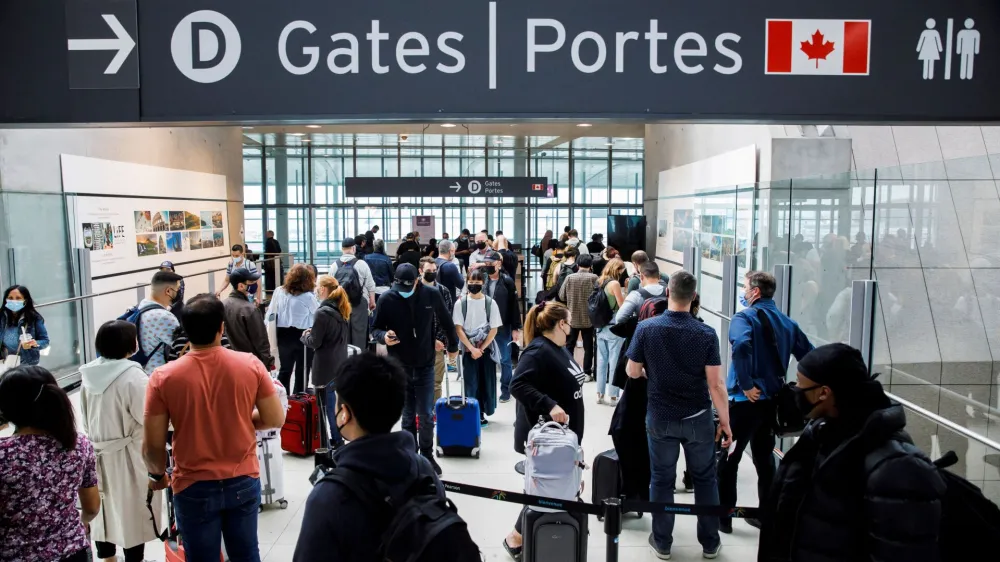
<point x="817" y="48"/>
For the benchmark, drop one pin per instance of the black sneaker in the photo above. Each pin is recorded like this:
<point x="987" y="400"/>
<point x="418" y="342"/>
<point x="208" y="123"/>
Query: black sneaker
<point x="483" y="422"/>
<point x="726" y="525"/>
<point x="434" y="464"/>
<point x="688" y="482"/>
<point x="755" y="523"/>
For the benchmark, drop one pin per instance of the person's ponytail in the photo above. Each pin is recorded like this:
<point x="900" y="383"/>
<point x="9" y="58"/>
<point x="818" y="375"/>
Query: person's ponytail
<point x="543" y="318"/>
<point x="337" y="294"/>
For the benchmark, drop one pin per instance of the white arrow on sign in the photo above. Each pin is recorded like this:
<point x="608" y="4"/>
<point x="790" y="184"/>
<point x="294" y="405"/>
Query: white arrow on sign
<point x="122" y="43"/>
<point x="457" y="187"/>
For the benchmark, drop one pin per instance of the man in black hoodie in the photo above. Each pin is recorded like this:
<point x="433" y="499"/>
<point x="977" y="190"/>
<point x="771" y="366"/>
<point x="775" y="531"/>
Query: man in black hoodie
<point x="404" y="323"/>
<point x="338" y="525"/>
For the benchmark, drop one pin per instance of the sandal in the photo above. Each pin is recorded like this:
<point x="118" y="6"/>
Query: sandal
<point x="514" y="553"/>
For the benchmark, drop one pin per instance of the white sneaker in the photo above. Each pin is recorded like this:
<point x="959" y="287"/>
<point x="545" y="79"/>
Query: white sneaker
<point x="600" y="399"/>
<point x="713" y="554"/>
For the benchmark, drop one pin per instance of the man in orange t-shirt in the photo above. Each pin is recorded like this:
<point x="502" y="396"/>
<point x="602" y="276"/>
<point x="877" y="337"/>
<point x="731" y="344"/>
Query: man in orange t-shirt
<point x="215" y="398"/>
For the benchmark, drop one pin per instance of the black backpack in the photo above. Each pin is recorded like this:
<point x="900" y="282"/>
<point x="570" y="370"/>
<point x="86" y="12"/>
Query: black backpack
<point x="968" y="518"/>
<point x="422" y="526"/>
<point x="349" y="279"/>
<point x="598" y="307"/>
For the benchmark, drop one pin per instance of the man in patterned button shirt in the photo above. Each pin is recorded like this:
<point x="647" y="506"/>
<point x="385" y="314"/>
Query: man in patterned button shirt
<point x="680" y="357"/>
<point x="156" y="326"/>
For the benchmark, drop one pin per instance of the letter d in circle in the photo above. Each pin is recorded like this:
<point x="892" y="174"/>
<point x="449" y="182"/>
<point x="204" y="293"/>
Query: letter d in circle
<point x="205" y="46"/>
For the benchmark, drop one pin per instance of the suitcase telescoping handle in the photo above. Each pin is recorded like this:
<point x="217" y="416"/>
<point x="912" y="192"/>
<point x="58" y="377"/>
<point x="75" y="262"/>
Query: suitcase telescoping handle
<point x="454" y="404"/>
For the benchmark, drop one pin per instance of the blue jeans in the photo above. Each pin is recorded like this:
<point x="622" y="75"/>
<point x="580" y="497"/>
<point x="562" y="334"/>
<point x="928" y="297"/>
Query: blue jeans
<point x="419" y="401"/>
<point x="331" y="414"/>
<point x="503" y="339"/>
<point x="212" y="510"/>
<point x="609" y="346"/>
<point x="697" y="436"/>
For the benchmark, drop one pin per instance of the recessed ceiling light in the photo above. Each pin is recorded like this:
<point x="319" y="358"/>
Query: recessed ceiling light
<point x="306" y="140"/>
<point x="584" y="125"/>
<point x="296" y="134"/>
<point x="247" y="128"/>
<point x="448" y="125"/>
<point x="312" y="126"/>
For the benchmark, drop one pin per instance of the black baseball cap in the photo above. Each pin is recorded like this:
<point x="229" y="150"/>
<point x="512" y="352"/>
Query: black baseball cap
<point x="406" y="276"/>
<point x="242" y="275"/>
<point x="349" y="243"/>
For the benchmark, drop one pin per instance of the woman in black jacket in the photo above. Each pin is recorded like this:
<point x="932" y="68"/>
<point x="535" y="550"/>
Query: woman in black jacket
<point x="853" y="487"/>
<point x="329" y="337"/>
<point x="547" y="384"/>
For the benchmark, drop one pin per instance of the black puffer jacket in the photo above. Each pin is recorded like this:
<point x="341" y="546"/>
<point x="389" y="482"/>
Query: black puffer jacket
<point x="854" y="492"/>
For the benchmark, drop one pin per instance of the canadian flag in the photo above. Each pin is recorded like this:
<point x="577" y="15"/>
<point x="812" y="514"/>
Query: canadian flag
<point x="828" y="47"/>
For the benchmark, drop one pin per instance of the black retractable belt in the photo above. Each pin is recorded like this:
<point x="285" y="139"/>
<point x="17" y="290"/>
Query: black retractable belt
<point x="611" y="509"/>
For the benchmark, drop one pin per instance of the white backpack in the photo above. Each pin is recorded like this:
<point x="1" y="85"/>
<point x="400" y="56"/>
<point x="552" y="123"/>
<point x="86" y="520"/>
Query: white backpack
<point x="554" y="465"/>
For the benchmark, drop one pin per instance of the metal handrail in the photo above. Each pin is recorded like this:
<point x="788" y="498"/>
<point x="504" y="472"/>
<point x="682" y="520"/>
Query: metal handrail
<point x="132" y="288"/>
<point x="923" y="412"/>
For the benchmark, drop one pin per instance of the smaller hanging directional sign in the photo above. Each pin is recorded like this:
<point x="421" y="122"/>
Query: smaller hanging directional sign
<point x="101" y="38"/>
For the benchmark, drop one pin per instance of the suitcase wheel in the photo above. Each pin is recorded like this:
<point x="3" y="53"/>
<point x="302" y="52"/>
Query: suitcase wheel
<point x="283" y="504"/>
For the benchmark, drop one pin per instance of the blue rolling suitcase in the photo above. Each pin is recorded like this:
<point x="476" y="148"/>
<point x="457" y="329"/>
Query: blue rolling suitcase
<point x="458" y="430"/>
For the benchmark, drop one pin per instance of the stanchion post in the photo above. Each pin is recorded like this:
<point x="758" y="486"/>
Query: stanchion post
<point x="612" y="526"/>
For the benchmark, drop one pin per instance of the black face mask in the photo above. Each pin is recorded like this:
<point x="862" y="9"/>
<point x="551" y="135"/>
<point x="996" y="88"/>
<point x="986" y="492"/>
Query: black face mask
<point x="802" y="400"/>
<point x="430" y="276"/>
<point x="475" y="289"/>
<point x="490" y="270"/>
<point x="176" y="298"/>
<point x="481" y="245"/>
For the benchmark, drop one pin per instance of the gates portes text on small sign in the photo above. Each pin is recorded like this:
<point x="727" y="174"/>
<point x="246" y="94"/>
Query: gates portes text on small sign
<point x="450" y="187"/>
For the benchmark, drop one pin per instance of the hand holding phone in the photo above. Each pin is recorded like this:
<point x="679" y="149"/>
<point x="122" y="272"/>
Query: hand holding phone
<point x="390" y="338"/>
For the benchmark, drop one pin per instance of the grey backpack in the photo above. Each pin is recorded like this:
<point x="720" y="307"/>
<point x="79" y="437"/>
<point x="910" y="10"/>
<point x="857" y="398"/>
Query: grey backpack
<point x="554" y="464"/>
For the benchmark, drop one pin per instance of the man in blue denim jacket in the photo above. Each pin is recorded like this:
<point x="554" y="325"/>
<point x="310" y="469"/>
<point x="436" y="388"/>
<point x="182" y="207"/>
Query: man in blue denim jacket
<point x="754" y="379"/>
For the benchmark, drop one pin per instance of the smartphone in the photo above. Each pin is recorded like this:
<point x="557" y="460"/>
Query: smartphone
<point x="392" y="338"/>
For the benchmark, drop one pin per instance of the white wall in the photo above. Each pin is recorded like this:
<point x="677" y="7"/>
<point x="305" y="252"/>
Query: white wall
<point x="29" y="158"/>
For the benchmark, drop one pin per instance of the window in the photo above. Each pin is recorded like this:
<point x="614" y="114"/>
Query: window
<point x="299" y="191"/>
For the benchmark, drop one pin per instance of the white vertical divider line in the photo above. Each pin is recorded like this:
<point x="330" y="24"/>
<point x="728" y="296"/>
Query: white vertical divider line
<point x="493" y="45"/>
<point x="947" y="50"/>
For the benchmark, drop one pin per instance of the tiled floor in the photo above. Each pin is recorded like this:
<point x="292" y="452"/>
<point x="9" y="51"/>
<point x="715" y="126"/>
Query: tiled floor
<point x="489" y="521"/>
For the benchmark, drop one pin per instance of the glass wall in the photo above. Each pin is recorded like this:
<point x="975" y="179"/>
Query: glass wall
<point x="928" y="234"/>
<point x="304" y="200"/>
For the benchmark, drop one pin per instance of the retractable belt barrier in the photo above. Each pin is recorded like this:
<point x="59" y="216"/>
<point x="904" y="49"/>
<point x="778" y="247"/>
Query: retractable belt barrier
<point x="611" y="509"/>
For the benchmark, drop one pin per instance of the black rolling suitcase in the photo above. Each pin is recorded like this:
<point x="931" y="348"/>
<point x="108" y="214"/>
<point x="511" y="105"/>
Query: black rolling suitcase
<point x="607" y="478"/>
<point x="557" y="536"/>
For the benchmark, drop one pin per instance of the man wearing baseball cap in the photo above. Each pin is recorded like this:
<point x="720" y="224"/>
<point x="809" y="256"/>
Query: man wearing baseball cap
<point x="404" y="323"/>
<point x="178" y="304"/>
<point x="854" y="487"/>
<point x="244" y="326"/>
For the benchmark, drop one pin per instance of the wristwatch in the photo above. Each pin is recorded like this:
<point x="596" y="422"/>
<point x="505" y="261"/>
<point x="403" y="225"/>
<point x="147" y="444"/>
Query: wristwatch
<point x="155" y="477"/>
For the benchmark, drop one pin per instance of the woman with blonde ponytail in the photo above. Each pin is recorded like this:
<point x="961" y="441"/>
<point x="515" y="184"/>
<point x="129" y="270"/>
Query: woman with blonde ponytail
<point x="328" y="338"/>
<point x="547" y="383"/>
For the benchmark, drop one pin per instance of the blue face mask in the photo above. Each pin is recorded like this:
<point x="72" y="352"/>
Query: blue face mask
<point x="14" y="306"/>
<point x="407" y="294"/>
<point x="252" y="289"/>
<point x="743" y="300"/>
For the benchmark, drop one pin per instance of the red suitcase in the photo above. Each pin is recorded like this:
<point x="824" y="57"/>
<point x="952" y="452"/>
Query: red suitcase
<point x="300" y="435"/>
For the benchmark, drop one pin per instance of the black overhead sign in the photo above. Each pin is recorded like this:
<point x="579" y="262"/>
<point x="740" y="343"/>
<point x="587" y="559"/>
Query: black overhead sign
<point x="101" y="43"/>
<point x="725" y="60"/>
<point x="449" y="187"/>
